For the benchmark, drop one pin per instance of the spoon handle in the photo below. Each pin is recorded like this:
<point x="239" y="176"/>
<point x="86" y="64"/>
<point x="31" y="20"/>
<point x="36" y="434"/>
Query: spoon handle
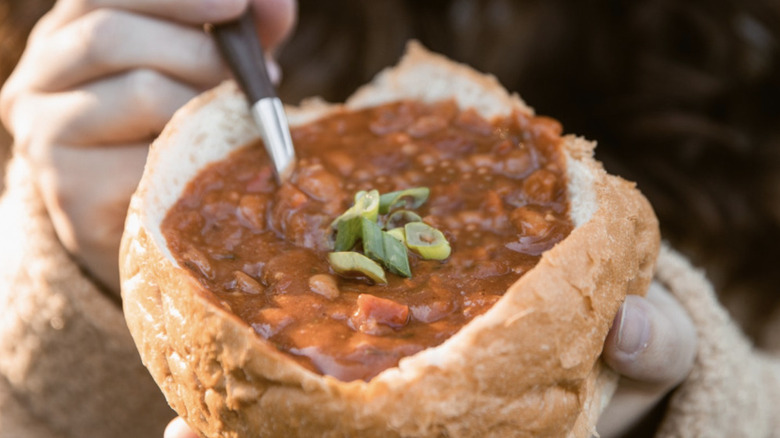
<point x="237" y="41"/>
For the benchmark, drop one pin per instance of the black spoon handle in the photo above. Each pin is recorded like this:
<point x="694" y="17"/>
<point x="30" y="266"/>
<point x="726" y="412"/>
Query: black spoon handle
<point x="237" y="41"/>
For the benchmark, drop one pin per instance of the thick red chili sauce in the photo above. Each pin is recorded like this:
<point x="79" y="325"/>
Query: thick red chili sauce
<point x="497" y="192"/>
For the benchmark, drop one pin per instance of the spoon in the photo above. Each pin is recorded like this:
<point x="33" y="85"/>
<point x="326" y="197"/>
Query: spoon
<point x="237" y="41"/>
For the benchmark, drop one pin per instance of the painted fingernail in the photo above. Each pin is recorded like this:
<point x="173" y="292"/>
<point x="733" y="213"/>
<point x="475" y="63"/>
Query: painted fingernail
<point x="634" y="328"/>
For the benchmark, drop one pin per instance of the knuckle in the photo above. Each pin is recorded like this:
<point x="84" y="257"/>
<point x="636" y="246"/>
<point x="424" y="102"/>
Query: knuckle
<point x="150" y="99"/>
<point x="19" y="116"/>
<point x="97" y="35"/>
<point x="82" y="5"/>
<point x="143" y="87"/>
<point x="8" y="95"/>
<point x="86" y="5"/>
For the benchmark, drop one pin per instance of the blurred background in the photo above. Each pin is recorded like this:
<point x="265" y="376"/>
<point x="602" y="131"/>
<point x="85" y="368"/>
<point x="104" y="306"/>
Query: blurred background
<point x="681" y="96"/>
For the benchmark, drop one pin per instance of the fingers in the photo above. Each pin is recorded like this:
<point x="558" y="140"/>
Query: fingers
<point x="87" y="191"/>
<point x="178" y="428"/>
<point x="653" y="339"/>
<point x="185" y="11"/>
<point x="275" y="20"/>
<point x="652" y="344"/>
<point x="132" y="107"/>
<point x="106" y="42"/>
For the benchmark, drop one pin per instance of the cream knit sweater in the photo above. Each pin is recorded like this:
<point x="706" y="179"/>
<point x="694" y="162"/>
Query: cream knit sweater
<point x="68" y="367"/>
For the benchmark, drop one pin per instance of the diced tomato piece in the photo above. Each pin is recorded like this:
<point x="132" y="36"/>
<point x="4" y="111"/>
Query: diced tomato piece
<point x="372" y="311"/>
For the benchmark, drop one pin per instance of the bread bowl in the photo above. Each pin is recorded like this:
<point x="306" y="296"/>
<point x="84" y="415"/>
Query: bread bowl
<point x="528" y="366"/>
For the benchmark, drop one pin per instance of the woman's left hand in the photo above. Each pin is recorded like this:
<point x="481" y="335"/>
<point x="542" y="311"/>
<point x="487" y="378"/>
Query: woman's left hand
<point x="652" y="344"/>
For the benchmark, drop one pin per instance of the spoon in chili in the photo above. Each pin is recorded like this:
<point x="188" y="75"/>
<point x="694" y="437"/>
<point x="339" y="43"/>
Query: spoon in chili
<point x="238" y="43"/>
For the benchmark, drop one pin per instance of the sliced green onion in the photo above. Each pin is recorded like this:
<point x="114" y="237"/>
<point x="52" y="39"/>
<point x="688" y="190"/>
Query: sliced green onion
<point x="427" y="241"/>
<point x="352" y="263"/>
<point x="398" y="233"/>
<point x="370" y="204"/>
<point x="396" y="258"/>
<point x="412" y="198"/>
<point x="373" y="246"/>
<point x="399" y="218"/>
<point x="385" y="249"/>
<point x="380" y="248"/>
<point x="348" y="233"/>
<point x="366" y="205"/>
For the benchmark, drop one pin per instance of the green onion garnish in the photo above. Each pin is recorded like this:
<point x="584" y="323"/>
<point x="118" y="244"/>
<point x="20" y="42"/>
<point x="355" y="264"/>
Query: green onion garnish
<point x="385" y="249"/>
<point x="399" y="218"/>
<point x="413" y="198"/>
<point x="362" y="223"/>
<point x="373" y="246"/>
<point x="351" y="263"/>
<point x="396" y="259"/>
<point x="366" y="205"/>
<point x="398" y="233"/>
<point x="427" y="241"/>
<point x="348" y="233"/>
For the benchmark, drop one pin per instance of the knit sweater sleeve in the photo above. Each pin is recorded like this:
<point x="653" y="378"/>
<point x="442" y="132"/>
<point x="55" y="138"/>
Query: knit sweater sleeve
<point x="68" y="366"/>
<point x="734" y="389"/>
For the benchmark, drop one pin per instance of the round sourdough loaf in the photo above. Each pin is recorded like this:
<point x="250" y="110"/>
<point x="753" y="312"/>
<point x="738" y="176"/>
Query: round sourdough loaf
<point x="527" y="367"/>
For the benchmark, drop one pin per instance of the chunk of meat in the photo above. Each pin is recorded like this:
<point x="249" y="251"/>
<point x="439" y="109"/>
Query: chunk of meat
<point x="541" y="186"/>
<point x="426" y="125"/>
<point x="374" y="312"/>
<point x="531" y="221"/>
<point x="320" y="184"/>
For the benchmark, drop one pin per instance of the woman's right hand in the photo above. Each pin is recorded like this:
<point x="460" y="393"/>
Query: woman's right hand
<point x="97" y="82"/>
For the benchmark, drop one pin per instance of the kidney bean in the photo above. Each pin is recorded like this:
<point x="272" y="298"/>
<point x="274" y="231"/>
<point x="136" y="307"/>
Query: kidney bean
<point x="325" y="285"/>
<point x="247" y="284"/>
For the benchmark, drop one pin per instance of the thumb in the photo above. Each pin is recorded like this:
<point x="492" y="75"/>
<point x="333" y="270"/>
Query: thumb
<point x="652" y="339"/>
<point x="652" y="344"/>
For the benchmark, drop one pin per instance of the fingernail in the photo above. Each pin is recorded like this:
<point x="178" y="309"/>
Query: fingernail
<point x="634" y="328"/>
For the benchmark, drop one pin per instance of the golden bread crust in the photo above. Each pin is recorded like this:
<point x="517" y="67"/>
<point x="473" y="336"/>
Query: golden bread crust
<point x="528" y="367"/>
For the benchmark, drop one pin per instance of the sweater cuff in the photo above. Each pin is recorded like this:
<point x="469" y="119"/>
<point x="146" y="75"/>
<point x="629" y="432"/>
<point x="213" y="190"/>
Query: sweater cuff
<point x="728" y="392"/>
<point x="66" y="357"/>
